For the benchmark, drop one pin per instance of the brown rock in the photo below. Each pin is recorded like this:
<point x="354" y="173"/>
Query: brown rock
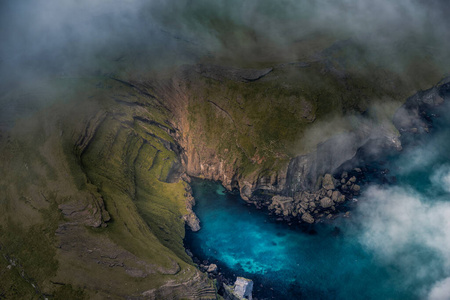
<point x="335" y="196"/>
<point x="328" y="182"/>
<point x="307" y="218"/>
<point x="326" y="202"/>
<point x="341" y="199"/>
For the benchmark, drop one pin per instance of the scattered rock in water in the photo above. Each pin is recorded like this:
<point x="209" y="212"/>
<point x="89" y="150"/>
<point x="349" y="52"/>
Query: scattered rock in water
<point x="335" y="196"/>
<point x="307" y="218"/>
<point x="326" y="202"/>
<point x="310" y="206"/>
<point x="356" y="188"/>
<point x="341" y="199"/>
<point x="212" y="268"/>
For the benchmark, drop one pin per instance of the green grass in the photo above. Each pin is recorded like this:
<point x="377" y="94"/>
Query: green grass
<point x="268" y="123"/>
<point x="126" y="163"/>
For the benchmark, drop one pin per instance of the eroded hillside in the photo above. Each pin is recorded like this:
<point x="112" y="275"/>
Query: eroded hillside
<point x="92" y="204"/>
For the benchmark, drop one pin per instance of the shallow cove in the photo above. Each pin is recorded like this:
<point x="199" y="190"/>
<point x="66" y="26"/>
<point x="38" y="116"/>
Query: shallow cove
<point x="395" y="245"/>
<point x="323" y="262"/>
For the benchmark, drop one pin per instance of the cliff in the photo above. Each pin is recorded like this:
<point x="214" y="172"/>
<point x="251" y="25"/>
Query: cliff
<point x="278" y="129"/>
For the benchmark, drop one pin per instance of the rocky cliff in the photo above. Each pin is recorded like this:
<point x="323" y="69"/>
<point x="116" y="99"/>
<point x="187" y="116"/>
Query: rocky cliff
<point x="264" y="131"/>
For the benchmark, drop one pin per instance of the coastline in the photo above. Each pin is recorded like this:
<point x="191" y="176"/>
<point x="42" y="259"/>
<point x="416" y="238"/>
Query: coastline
<point x="424" y="105"/>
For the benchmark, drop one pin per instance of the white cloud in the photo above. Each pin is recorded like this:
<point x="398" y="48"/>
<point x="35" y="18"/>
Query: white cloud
<point x="406" y="229"/>
<point x="441" y="290"/>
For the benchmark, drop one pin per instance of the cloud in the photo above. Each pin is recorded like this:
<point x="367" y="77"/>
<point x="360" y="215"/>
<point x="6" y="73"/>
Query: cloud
<point x="406" y="229"/>
<point x="441" y="290"/>
<point x="441" y="178"/>
<point x="63" y="35"/>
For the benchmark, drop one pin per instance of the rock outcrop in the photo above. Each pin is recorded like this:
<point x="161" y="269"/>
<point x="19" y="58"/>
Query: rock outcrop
<point x="191" y="218"/>
<point x="242" y="289"/>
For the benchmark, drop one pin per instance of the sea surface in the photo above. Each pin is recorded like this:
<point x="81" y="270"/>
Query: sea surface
<point x="395" y="245"/>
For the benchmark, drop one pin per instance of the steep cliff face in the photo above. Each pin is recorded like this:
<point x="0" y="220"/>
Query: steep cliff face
<point x="278" y="129"/>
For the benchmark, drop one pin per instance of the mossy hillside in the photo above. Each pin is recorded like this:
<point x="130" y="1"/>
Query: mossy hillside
<point x="125" y="166"/>
<point x="266" y="122"/>
<point x="43" y="168"/>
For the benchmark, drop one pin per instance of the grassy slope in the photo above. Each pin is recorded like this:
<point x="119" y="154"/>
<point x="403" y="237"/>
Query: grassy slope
<point x="267" y="120"/>
<point x="125" y="163"/>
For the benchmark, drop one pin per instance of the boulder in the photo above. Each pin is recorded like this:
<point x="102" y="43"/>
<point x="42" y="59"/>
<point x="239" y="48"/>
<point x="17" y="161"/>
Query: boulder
<point x="212" y="268"/>
<point x="356" y="188"/>
<point x="352" y="179"/>
<point x="335" y="196"/>
<point x="328" y="182"/>
<point x="304" y="205"/>
<point x="341" y="199"/>
<point x="307" y="218"/>
<point x="284" y="202"/>
<point x="326" y="202"/>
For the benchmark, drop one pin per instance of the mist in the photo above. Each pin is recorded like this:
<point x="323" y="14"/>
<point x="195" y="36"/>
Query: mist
<point x="406" y="225"/>
<point x="62" y="37"/>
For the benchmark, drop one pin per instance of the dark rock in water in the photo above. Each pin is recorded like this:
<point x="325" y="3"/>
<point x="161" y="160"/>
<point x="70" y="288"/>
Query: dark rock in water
<point x="341" y="199"/>
<point x="307" y="218"/>
<point x="326" y="202"/>
<point x="335" y="196"/>
<point x="356" y="188"/>
<point x="212" y="268"/>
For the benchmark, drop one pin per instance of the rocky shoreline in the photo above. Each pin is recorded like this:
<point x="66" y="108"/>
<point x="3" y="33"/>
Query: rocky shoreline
<point x="336" y="191"/>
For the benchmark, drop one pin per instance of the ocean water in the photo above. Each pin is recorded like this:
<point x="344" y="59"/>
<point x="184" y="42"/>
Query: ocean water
<point x="396" y="245"/>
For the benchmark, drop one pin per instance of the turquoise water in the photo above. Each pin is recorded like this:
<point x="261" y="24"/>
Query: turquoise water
<point x="396" y="245"/>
